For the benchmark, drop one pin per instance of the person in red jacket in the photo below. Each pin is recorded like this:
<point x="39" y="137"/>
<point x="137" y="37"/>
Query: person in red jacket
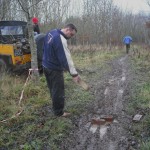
<point x="36" y="28"/>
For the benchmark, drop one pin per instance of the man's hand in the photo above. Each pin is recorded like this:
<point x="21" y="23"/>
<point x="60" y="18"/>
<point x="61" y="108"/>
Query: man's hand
<point x="80" y="82"/>
<point x="76" y="79"/>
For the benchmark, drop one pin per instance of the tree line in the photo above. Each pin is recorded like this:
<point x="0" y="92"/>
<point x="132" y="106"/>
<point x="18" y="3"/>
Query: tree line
<point x="98" y="21"/>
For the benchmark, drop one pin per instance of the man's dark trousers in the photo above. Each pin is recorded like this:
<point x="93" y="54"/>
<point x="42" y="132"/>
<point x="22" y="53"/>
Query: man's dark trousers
<point x="127" y="48"/>
<point x="55" y="82"/>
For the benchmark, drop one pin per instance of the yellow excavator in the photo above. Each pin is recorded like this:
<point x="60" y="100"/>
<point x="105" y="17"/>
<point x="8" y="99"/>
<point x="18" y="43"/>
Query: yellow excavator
<point x="15" y="53"/>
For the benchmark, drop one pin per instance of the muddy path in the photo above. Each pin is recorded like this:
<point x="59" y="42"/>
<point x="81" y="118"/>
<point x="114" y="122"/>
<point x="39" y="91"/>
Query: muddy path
<point x="110" y="93"/>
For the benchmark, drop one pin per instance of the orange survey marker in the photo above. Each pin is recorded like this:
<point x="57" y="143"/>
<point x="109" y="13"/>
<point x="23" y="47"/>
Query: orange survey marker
<point x="83" y="84"/>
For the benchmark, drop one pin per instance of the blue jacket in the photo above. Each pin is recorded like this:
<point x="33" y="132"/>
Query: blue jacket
<point x="56" y="55"/>
<point x="127" y="40"/>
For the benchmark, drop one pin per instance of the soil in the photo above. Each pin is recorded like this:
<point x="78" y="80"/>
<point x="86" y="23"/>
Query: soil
<point x="92" y="130"/>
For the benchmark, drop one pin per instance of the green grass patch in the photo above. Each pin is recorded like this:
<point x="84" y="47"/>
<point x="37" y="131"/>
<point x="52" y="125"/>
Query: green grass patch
<point x="140" y="97"/>
<point x="145" y="146"/>
<point x="88" y="59"/>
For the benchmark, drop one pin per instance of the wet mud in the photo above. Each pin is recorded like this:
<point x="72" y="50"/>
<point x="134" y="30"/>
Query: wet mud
<point x="105" y="124"/>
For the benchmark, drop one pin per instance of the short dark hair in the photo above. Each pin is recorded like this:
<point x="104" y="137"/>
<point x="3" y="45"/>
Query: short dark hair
<point x="71" y="26"/>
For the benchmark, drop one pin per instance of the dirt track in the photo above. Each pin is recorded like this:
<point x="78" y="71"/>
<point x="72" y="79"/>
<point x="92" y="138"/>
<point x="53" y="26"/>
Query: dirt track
<point x="110" y="92"/>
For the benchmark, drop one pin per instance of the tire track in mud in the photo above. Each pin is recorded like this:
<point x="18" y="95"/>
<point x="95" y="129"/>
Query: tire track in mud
<point x="109" y="101"/>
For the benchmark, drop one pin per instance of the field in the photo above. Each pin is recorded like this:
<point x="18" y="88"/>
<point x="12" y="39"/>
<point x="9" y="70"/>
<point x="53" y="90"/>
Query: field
<point x="28" y="123"/>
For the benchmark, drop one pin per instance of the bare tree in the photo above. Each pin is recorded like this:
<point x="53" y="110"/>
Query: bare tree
<point x="98" y="21"/>
<point x="5" y="9"/>
<point x="148" y="2"/>
<point x="27" y="9"/>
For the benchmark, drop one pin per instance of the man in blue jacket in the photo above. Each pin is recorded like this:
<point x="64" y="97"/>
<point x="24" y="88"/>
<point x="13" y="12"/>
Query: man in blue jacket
<point x="127" y="40"/>
<point x="56" y="59"/>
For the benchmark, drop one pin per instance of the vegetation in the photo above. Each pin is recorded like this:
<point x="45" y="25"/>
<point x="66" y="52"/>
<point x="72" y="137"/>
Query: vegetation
<point x="94" y="24"/>
<point x="145" y="146"/>
<point x="36" y="127"/>
<point x="140" y="100"/>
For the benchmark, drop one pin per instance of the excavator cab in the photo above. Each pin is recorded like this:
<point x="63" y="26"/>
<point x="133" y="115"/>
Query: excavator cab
<point x="15" y="53"/>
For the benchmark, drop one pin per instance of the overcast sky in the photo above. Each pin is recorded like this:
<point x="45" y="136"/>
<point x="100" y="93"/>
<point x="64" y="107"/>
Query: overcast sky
<point x="134" y="5"/>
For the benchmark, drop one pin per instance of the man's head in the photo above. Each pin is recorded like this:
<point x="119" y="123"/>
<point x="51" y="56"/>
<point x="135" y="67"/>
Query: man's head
<point x="69" y="30"/>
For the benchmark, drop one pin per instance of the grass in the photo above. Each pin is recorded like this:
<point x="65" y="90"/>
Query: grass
<point x="36" y="127"/>
<point x="140" y="102"/>
<point x="145" y="146"/>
